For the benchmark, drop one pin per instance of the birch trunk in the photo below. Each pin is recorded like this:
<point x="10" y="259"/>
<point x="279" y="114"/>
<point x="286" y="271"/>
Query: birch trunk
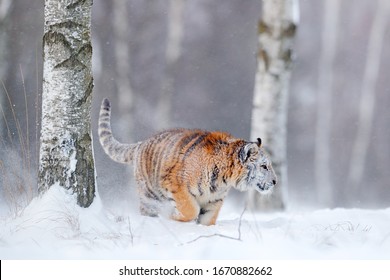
<point x="66" y="157"/>
<point x="172" y="55"/>
<point x="324" y="101"/>
<point x="276" y="31"/>
<point x="5" y="8"/>
<point x="126" y="103"/>
<point x="368" y="99"/>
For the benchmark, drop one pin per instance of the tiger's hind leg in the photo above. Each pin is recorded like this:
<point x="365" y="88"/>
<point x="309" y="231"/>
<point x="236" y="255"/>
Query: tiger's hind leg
<point x="149" y="202"/>
<point x="148" y="208"/>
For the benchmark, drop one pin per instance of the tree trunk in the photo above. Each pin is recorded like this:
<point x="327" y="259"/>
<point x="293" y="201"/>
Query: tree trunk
<point x="66" y="157"/>
<point x="172" y="55"/>
<point x="126" y="103"/>
<point x="276" y="31"/>
<point x="367" y="99"/>
<point x="324" y="108"/>
<point x="5" y="8"/>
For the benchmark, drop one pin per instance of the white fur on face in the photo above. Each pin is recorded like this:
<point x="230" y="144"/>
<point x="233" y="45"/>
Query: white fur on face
<point x="261" y="175"/>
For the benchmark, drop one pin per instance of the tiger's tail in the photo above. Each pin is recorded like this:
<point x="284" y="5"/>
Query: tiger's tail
<point x="117" y="151"/>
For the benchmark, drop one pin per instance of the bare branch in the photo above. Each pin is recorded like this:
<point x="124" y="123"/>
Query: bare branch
<point x="238" y="238"/>
<point x="130" y="231"/>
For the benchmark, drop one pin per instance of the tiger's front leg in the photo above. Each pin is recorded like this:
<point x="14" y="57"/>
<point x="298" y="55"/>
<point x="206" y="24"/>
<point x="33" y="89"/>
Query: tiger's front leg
<point x="187" y="208"/>
<point x="209" y="213"/>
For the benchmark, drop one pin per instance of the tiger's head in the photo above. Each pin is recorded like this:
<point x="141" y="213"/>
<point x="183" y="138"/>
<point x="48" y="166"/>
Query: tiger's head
<point x="257" y="172"/>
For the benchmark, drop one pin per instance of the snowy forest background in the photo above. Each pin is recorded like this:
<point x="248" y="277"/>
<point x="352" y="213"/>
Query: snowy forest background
<point x="335" y="85"/>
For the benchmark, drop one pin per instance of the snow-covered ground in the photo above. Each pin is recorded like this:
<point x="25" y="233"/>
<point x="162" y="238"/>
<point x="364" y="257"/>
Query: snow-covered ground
<point x="54" y="227"/>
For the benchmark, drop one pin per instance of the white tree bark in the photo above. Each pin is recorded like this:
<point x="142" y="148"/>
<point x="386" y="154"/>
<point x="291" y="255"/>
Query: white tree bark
<point x="324" y="101"/>
<point x="5" y="7"/>
<point x="367" y="99"/>
<point x="66" y="157"/>
<point x="126" y="103"/>
<point x="276" y="31"/>
<point x="172" y="55"/>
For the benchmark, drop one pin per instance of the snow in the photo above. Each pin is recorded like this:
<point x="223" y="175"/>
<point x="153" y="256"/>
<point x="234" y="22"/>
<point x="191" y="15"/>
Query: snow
<point x="54" y="227"/>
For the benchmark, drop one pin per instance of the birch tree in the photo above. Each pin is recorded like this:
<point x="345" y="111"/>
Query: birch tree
<point x="172" y="55"/>
<point x="368" y="100"/>
<point x="324" y="109"/>
<point x="126" y="96"/>
<point x="5" y="8"/>
<point x="276" y="31"/>
<point x="66" y="157"/>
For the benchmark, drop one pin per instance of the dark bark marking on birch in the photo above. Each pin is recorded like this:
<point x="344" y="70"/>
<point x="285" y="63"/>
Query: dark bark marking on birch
<point x="263" y="56"/>
<point x="71" y="62"/>
<point x="53" y="37"/>
<point x="75" y="4"/>
<point x="262" y="27"/>
<point x="290" y="30"/>
<point x="86" y="178"/>
<point x="88" y="93"/>
<point x="68" y="24"/>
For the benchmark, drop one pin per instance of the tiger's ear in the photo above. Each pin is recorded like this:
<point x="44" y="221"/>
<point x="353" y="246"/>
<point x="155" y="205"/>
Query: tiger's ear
<point x="248" y="151"/>
<point x="259" y="142"/>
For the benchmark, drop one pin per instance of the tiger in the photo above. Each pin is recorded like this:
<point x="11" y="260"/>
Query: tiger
<point x="190" y="169"/>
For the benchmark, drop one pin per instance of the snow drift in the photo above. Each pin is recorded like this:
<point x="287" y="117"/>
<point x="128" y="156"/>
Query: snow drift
<point x="55" y="227"/>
